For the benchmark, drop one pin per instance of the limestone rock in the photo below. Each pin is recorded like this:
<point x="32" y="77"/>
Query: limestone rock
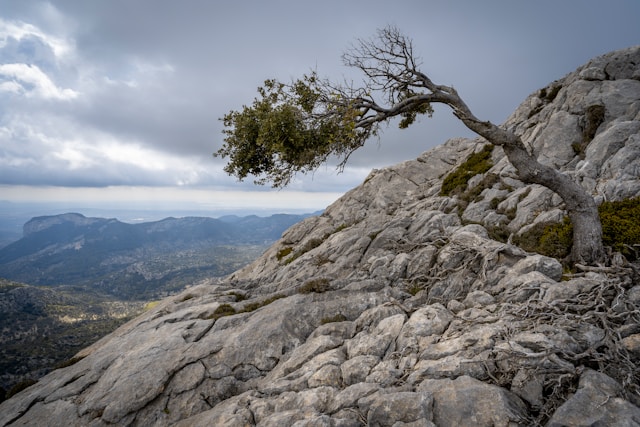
<point x="596" y="402"/>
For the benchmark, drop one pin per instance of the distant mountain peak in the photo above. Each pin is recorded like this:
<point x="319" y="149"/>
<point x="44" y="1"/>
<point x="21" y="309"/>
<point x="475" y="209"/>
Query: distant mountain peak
<point x="43" y="222"/>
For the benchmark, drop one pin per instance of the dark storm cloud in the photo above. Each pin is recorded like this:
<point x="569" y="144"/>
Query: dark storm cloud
<point x="130" y="92"/>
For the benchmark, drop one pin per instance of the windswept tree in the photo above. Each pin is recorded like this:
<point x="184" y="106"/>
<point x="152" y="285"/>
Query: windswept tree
<point x="295" y="127"/>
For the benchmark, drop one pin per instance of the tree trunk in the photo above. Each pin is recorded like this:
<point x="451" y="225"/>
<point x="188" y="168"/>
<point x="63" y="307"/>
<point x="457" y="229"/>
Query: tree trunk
<point x="582" y="209"/>
<point x="583" y="212"/>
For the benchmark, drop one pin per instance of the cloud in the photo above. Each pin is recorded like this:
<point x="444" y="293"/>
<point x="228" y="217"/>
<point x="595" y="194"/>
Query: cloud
<point x="32" y="82"/>
<point x="12" y="32"/>
<point x="128" y="93"/>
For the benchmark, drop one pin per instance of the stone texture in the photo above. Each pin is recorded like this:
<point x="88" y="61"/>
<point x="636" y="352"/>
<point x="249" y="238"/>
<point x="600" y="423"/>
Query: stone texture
<point x="596" y="402"/>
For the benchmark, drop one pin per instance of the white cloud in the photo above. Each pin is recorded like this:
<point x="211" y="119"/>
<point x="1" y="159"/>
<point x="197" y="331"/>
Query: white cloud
<point x="21" y="30"/>
<point x="32" y="81"/>
<point x="11" y="87"/>
<point x="129" y="93"/>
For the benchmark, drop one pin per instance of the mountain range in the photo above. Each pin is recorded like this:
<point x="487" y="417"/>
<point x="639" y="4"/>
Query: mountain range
<point x="71" y="279"/>
<point x="401" y="304"/>
<point x="136" y="261"/>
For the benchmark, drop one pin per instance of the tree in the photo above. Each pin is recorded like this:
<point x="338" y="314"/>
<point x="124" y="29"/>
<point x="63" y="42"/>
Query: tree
<point x="296" y="127"/>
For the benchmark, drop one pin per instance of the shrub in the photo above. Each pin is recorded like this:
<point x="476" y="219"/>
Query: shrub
<point x="238" y="296"/>
<point x="332" y="319"/>
<point x="549" y="239"/>
<point x="317" y="286"/>
<point x="621" y="225"/>
<point x="620" y="231"/>
<point x="187" y="297"/>
<point x="499" y="232"/>
<point x="340" y="228"/>
<point x="309" y="245"/>
<point x="283" y="253"/>
<point x="414" y="288"/>
<point x="493" y="204"/>
<point x="594" y="116"/>
<point x="222" y="311"/>
<point x="477" y="163"/>
<point x="253" y="306"/>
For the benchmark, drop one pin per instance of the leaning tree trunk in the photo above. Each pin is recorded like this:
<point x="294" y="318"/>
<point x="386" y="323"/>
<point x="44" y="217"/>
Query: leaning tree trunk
<point x="583" y="212"/>
<point x="392" y="68"/>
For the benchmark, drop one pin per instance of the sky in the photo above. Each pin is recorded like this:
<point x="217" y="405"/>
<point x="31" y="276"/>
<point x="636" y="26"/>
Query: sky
<point x="119" y="101"/>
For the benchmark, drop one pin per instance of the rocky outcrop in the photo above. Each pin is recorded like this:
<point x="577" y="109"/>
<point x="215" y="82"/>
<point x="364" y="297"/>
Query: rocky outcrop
<point x="395" y="307"/>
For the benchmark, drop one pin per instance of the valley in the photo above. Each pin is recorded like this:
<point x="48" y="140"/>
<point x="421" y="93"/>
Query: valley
<point x="70" y="279"/>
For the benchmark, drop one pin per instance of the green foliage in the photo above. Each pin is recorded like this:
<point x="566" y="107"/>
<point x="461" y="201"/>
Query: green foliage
<point x="38" y="336"/>
<point x="187" y="297"/>
<point x="332" y="319"/>
<point x="238" y="296"/>
<point x="283" y="253"/>
<point x="340" y="228"/>
<point x="550" y="95"/>
<point x="621" y="225"/>
<point x="289" y="129"/>
<point x="317" y="286"/>
<point x="493" y="203"/>
<point x="620" y="231"/>
<point x="549" y="239"/>
<point x="498" y="232"/>
<point x="409" y="117"/>
<point x="477" y="163"/>
<point x="253" y="306"/>
<point x="414" y="288"/>
<point x="222" y="311"/>
<point x="593" y="116"/>
<point x="309" y="245"/>
<point x="374" y="234"/>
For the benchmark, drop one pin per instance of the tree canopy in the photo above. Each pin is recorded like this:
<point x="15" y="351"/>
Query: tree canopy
<point x="290" y="128"/>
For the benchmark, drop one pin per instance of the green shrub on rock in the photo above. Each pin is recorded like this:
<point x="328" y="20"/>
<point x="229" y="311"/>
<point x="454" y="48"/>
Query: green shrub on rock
<point x="620" y="231"/>
<point x="621" y="225"/>
<point x="317" y="286"/>
<point x="549" y="239"/>
<point x="476" y="163"/>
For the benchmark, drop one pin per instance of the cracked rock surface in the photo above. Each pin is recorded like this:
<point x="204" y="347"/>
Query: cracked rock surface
<point x="395" y="307"/>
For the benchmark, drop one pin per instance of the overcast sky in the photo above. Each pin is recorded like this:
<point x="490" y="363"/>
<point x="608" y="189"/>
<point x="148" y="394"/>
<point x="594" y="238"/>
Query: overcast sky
<point x="120" y="99"/>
